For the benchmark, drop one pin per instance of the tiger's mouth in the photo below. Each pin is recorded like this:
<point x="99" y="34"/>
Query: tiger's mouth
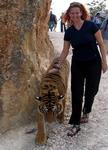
<point x="50" y="107"/>
<point x="50" y="117"/>
<point x="51" y="113"/>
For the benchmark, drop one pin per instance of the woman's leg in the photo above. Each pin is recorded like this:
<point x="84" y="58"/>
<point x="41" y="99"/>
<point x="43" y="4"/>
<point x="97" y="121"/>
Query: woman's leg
<point x="77" y="87"/>
<point x="93" y="74"/>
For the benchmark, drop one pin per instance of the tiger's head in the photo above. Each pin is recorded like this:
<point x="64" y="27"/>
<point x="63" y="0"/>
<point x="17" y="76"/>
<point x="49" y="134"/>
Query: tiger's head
<point x="50" y="105"/>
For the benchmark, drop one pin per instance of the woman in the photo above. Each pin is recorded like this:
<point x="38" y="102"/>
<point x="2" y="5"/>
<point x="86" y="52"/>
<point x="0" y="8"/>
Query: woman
<point x="86" y="63"/>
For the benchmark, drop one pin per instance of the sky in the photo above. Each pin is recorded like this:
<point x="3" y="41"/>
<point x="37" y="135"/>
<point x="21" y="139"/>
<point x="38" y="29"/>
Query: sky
<point x="59" y="6"/>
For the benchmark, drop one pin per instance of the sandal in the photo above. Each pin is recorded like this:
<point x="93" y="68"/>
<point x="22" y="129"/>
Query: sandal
<point x="73" y="130"/>
<point x="84" y="118"/>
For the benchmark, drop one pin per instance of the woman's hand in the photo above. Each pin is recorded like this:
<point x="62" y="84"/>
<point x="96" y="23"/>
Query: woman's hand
<point x="104" y="67"/>
<point x="53" y="70"/>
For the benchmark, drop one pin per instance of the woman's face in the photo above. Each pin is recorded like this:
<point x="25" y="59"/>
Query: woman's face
<point x="75" y="14"/>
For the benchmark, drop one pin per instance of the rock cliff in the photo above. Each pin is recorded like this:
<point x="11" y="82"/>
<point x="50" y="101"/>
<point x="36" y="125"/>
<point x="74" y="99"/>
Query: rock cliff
<point x="25" y="53"/>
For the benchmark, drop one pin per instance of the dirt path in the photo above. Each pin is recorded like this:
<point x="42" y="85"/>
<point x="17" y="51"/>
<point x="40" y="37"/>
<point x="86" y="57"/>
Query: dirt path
<point x="93" y="136"/>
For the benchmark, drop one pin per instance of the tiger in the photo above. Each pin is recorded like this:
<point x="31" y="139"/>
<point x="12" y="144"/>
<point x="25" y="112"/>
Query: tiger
<point x="52" y="99"/>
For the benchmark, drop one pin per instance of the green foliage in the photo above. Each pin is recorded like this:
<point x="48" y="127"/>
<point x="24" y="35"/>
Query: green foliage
<point x="97" y="6"/>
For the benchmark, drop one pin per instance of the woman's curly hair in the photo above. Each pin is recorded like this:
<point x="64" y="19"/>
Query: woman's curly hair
<point x="85" y="14"/>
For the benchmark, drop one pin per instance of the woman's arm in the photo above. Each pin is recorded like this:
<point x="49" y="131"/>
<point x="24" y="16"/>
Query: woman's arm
<point x="64" y="52"/>
<point x="62" y="57"/>
<point x="103" y="27"/>
<point x="99" y="39"/>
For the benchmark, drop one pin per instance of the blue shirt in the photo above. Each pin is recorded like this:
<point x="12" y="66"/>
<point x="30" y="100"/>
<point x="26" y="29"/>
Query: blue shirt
<point x="83" y="41"/>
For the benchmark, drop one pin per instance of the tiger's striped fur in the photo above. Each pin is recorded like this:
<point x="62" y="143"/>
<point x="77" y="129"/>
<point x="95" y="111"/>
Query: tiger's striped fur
<point x="51" y="103"/>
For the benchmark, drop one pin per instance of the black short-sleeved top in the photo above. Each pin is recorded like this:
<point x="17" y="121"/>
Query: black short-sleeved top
<point x="83" y="41"/>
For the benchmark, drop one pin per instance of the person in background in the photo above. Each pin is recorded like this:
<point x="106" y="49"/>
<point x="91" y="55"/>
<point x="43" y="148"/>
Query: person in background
<point x="104" y="30"/>
<point x="97" y="20"/>
<point x="52" y="23"/>
<point x="86" y="65"/>
<point x="62" y="23"/>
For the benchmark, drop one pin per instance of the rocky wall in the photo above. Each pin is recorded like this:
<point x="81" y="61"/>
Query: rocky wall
<point x="25" y="53"/>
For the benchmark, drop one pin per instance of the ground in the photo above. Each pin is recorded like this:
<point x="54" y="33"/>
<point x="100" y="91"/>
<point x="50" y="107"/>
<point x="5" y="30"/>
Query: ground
<point x="93" y="135"/>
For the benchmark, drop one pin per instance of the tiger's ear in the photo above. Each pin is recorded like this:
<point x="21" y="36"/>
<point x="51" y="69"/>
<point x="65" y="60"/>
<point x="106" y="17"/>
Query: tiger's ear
<point x="38" y="98"/>
<point x="61" y="97"/>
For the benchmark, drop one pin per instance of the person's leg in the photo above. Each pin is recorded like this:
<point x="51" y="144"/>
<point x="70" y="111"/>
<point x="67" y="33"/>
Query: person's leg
<point x="61" y="26"/>
<point x="51" y="25"/>
<point x="64" y="27"/>
<point x="93" y="74"/>
<point x="77" y="87"/>
<point x="55" y="25"/>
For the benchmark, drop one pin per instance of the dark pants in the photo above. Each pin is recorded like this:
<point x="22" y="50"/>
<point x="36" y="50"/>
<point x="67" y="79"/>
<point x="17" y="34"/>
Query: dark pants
<point x="85" y="78"/>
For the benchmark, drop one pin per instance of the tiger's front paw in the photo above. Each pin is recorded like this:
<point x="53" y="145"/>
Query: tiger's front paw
<point x="41" y="138"/>
<point x="60" y="118"/>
